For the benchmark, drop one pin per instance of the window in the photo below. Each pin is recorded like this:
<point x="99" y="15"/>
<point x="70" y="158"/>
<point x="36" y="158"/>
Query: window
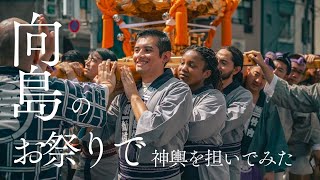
<point x="243" y="14"/>
<point x="286" y="29"/>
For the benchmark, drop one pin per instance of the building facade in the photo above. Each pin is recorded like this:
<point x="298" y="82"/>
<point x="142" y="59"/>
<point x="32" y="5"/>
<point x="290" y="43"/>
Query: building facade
<point x="264" y="25"/>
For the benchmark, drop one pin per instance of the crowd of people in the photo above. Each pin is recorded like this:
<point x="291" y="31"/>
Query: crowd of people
<point x="244" y="123"/>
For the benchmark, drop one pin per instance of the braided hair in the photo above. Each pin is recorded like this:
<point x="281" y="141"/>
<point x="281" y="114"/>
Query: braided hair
<point x="211" y="63"/>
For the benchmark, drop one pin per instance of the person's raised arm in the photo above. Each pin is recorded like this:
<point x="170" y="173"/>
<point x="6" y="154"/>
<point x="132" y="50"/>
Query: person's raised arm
<point x="267" y="71"/>
<point x="49" y="42"/>
<point x="257" y="58"/>
<point x="297" y="98"/>
<point x="94" y="98"/>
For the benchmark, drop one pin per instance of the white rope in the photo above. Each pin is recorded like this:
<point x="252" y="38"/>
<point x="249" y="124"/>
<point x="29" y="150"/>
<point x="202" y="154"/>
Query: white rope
<point x="199" y="30"/>
<point x="134" y="25"/>
<point x="202" y="26"/>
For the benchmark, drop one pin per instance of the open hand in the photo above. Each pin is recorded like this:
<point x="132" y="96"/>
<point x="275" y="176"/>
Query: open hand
<point x="66" y="68"/>
<point x="255" y="56"/>
<point x="310" y="58"/>
<point x="77" y="67"/>
<point x="128" y="82"/>
<point x="106" y="74"/>
<point x="49" y="42"/>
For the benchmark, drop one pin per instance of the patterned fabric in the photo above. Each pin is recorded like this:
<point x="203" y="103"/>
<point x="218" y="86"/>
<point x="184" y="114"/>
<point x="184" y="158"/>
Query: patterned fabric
<point x="33" y="129"/>
<point x="269" y="137"/>
<point x="252" y="125"/>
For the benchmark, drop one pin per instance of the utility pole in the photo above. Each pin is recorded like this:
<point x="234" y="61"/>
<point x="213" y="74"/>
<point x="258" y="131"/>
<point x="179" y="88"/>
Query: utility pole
<point x="313" y="20"/>
<point x="262" y="27"/>
<point x="93" y="25"/>
<point x="71" y="8"/>
<point x="306" y="27"/>
<point x="316" y="36"/>
<point x="37" y="6"/>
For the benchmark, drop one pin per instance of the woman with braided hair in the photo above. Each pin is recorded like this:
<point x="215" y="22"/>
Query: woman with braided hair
<point x="199" y="69"/>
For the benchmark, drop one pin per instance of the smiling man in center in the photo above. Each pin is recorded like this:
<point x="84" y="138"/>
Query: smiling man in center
<point x="158" y="109"/>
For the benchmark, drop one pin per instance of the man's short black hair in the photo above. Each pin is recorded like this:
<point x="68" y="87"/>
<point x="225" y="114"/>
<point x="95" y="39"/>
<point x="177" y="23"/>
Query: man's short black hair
<point x="163" y="44"/>
<point x="73" y="56"/>
<point x="105" y="54"/>
<point x="284" y="57"/>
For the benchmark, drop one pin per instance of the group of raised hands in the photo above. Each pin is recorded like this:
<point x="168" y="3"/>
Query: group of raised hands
<point x="107" y="70"/>
<point x="106" y="75"/>
<point x="259" y="60"/>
